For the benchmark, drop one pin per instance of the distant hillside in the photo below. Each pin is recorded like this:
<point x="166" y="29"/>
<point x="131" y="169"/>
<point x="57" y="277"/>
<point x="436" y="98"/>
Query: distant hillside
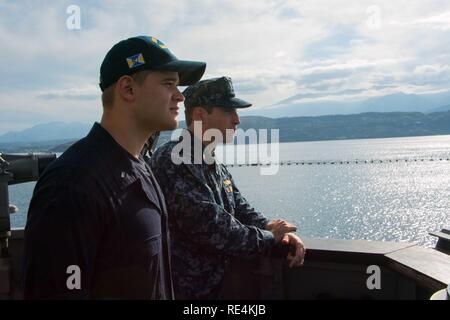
<point x="47" y="132"/>
<point x="363" y="126"/>
<point x="339" y="127"/>
<point x="441" y="109"/>
<point x="357" y="126"/>
<point x="298" y="105"/>
<point x="40" y="146"/>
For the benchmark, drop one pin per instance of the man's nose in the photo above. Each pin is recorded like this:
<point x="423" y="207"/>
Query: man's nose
<point x="236" y="119"/>
<point x="178" y="96"/>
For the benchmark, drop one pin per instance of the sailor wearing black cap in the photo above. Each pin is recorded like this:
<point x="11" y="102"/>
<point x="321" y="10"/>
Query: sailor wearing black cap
<point x="97" y="223"/>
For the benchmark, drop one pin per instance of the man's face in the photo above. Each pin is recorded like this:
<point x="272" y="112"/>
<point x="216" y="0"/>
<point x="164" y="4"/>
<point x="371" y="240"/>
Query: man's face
<point x="222" y="119"/>
<point x="157" y="101"/>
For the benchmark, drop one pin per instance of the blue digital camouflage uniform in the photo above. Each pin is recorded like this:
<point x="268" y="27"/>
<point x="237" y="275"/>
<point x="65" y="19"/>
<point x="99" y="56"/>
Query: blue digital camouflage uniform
<point x="209" y="221"/>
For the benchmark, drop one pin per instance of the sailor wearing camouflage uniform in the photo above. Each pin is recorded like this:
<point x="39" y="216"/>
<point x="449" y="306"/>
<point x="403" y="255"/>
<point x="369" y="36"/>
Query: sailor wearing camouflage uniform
<point x="209" y="220"/>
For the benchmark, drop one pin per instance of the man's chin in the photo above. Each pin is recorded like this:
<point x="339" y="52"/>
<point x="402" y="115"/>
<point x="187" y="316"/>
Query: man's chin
<point x="172" y="125"/>
<point x="229" y="138"/>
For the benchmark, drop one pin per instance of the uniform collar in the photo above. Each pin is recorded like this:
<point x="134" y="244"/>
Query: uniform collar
<point x="108" y="146"/>
<point x="196" y="141"/>
<point x="120" y="162"/>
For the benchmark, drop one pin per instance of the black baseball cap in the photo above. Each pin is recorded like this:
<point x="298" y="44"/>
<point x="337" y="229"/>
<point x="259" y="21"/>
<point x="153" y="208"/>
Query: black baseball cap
<point x="217" y="92"/>
<point x="146" y="53"/>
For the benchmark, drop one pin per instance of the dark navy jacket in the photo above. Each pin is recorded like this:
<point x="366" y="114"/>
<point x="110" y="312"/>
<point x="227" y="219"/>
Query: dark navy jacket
<point x="101" y="210"/>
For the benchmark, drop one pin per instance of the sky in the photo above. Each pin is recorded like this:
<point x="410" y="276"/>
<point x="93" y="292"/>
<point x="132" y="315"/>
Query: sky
<point x="272" y="49"/>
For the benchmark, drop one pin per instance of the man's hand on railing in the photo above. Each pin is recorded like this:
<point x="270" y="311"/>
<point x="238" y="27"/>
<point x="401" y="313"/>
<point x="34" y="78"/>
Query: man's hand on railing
<point x="280" y="228"/>
<point x="296" y="255"/>
<point x="282" y="231"/>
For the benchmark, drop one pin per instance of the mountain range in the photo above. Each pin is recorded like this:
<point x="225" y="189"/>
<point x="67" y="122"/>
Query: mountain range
<point x="398" y="114"/>
<point x="47" y="132"/>
<point x="330" y="127"/>
<point x="398" y="102"/>
<point x="291" y="107"/>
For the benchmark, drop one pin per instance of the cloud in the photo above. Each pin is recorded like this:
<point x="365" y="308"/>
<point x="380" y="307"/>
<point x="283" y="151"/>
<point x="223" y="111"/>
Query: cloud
<point x="432" y="70"/>
<point x="87" y="93"/>
<point x="272" y="49"/>
<point x="440" y="22"/>
<point x="335" y="42"/>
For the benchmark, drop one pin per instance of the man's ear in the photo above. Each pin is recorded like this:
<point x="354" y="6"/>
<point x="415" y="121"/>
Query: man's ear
<point x="198" y="114"/>
<point x="125" y="88"/>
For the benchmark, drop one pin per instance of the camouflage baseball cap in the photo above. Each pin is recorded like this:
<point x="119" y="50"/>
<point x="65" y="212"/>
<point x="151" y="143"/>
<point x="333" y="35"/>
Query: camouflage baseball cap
<point x="217" y="92"/>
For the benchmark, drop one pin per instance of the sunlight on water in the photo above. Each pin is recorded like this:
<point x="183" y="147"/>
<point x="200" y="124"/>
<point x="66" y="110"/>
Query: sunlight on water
<point x="395" y="202"/>
<point x="377" y="201"/>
